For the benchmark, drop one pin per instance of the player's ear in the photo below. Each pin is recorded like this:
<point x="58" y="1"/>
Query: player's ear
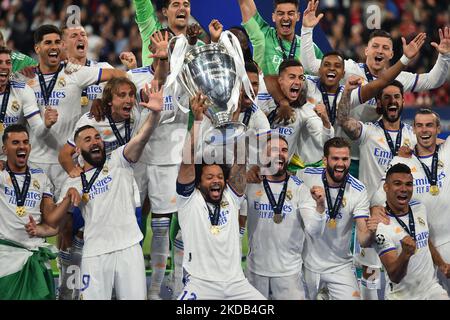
<point x="385" y="187"/>
<point x="164" y="12"/>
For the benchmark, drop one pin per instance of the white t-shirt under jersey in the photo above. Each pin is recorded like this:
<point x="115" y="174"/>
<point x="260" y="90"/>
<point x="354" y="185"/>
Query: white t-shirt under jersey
<point x="275" y="250"/>
<point x="110" y="220"/>
<point x="420" y="275"/>
<point x="12" y="227"/>
<point x="65" y="98"/>
<point x="331" y="252"/>
<point x="375" y="154"/>
<point x="207" y="256"/>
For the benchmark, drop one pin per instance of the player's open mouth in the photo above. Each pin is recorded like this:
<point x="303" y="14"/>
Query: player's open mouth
<point x="181" y="16"/>
<point x="402" y="199"/>
<point x="392" y="109"/>
<point x="215" y="191"/>
<point x="294" y="91"/>
<point x="331" y="76"/>
<point x="53" y="54"/>
<point x="4" y="74"/>
<point x="286" y="26"/>
<point x="127" y="109"/>
<point x="427" y="137"/>
<point x="340" y="170"/>
<point x="95" y="150"/>
<point x="80" y="46"/>
<point x="379" y="58"/>
<point x="21" y="155"/>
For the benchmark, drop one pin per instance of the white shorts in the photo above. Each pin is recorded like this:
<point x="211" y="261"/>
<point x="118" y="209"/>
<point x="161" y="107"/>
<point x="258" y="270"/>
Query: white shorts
<point x="342" y="284"/>
<point x="366" y="257"/>
<point x="159" y="183"/>
<point x="243" y="208"/>
<point x="197" y="289"/>
<point x="57" y="175"/>
<point x="278" y="288"/>
<point x="123" y="270"/>
<point x="434" y="292"/>
<point x="444" y="251"/>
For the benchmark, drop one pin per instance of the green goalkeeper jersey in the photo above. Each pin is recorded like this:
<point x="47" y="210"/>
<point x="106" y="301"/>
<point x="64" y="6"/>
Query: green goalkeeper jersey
<point x="274" y="53"/>
<point x="20" y="61"/>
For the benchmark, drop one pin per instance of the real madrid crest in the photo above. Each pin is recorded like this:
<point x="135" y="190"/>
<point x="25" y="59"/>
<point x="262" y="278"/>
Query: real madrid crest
<point x="407" y="143"/>
<point x="224" y="204"/>
<point x="421" y="221"/>
<point x="62" y="82"/>
<point x="440" y="164"/>
<point x="289" y="194"/>
<point x="344" y="202"/>
<point x="36" y="184"/>
<point x="131" y="120"/>
<point x="15" y="106"/>
<point x="105" y="169"/>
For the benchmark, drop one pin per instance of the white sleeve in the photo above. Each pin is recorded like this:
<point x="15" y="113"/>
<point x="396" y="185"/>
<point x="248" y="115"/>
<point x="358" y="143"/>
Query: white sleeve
<point x="361" y="209"/>
<point x="48" y="187"/>
<point x="313" y="221"/>
<point x="87" y="76"/>
<point x="426" y="81"/>
<point x="260" y="121"/>
<point x="243" y="209"/>
<point x="118" y="158"/>
<point x="70" y="183"/>
<point x="236" y="197"/>
<point x="355" y="98"/>
<point x="383" y="240"/>
<point x="307" y="54"/>
<point x="32" y="113"/>
<point x="365" y="132"/>
<point x="379" y="196"/>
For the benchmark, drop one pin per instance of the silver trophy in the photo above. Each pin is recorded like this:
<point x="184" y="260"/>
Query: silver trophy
<point x="212" y="71"/>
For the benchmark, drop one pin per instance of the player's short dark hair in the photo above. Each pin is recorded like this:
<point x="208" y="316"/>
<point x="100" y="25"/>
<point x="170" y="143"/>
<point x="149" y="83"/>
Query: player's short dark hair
<point x="289" y="63"/>
<point x="333" y="53"/>
<point x="428" y="111"/>
<point x="394" y="83"/>
<point x="13" y="128"/>
<point x="199" y="171"/>
<point x="251" y="67"/>
<point x="336" y="142"/>
<point x="80" y="130"/>
<point x="111" y="88"/>
<point x="247" y="53"/>
<point x="380" y="33"/>
<point x="277" y="2"/>
<point x="398" y="168"/>
<point x="44" y="30"/>
<point x="5" y="50"/>
<point x="166" y="3"/>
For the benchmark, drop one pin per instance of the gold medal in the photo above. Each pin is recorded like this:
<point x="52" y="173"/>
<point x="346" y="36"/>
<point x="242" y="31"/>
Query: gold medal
<point x="215" y="230"/>
<point x="434" y="190"/>
<point x="331" y="224"/>
<point x="2" y="127"/>
<point x="277" y="218"/>
<point x="84" y="101"/>
<point x="20" y="211"/>
<point x="85" y="197"/>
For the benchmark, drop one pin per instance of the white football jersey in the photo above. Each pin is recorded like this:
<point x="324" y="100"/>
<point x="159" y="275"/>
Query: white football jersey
<point x="258" y="120"/>
<point x="275" y="250"/>
<point x="109" y="215"/>
<point x="208" y="256"/>
<point x="420" y="274"/>
<point x="95" y="91"/>
<point x="65" y="98"/>
<point x="263" y="99"/>
<point x="12" y="227"/>
<point x="331" y="252"/>
<point x="375" y="154"/>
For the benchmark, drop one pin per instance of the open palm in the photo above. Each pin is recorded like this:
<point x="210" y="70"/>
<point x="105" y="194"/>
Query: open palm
<point x="309" y="15"/>
<point x="444" y="45"/>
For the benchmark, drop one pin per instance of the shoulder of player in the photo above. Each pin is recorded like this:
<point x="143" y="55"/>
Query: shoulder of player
<point x="296" y="180"/>
<point x="407" y="127"/>
<point x="355" y="183"/>
<point x="313" y="171"/>
<point x="141" y="70"/>
<point x="416" y="204"/>
<point x="18" y="84"/>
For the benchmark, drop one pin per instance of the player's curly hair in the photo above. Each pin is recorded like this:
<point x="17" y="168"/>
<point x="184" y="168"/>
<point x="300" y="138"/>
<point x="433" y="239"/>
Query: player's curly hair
<point x="199" y="171"/>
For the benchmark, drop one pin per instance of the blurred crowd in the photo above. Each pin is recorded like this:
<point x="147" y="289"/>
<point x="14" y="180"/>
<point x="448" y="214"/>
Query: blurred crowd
<point x="111" y="28"/>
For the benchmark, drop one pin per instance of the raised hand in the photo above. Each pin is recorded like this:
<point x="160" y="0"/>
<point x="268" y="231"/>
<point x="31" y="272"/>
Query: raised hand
<point x="128" y="59"/>
<point x="192" y="32"/>
<point x="160" y="42"/>
<point x="284" y="112"/>
<point x="309" y="15"/>
<point x="444" y="45"/>
<point x="28" y="72"/>
<point x="352" y="83"/>
<point x="75" y="172"/>
<point x="378" y="213"/>
<point x="215" y="30"/>
<point x="408" y="246"/>
<point x="322" y="113"/>
<point x="411" y="49"/>
<point x="253" y="175"/>
<point x="50" y="117"/>
<point x="318" y="194"/>
<point x="155" y="98"/>
<point x="198" y="106"/>
<point x="74" y="196"/>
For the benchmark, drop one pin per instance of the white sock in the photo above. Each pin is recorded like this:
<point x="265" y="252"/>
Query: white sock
<point x="159" y="252"/>
<point x="369" y="288"/>
<point x="64" y="257"/>
<point x="241" y="236"/>
<point x="178" y="255"/>
<point x="77" y="252"/>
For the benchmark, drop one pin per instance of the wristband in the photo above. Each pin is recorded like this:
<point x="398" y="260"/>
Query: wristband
<point x="404" y="60"/>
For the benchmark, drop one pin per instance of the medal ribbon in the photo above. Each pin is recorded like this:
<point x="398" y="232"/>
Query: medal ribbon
<point x="247" y="115"/>
<point x="431" y="174"/>
<point x="331" y="110"/>
<point x="277" y="207"/>
<point x="333" y="210"/>
<point x="291" y="51"/>
<point x="412" y="226"/>
<point x="87" y="186"/>
<point x="5" y="103"/>
<point x="116" y="131"/>
<point x="369" y="75"/>
<point x="394" y="149"/>
<point x="214" y="216"/>
<point x="20" y="196"/>
<point x="47" y="91"/>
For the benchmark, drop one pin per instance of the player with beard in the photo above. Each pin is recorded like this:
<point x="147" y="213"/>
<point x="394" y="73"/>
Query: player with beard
<point x="403" y="245"/>
<point x="208" y="203"/>
<point x="430" y="168"/>
<point x="306" y="132"/>
<point x="379" y="52"/>
<point x="281" y="210"/>
<point x="281" y="43"/>
<point x="112" y="234"/>
<point x="379" y="142"/>
<point x="328" y="259"/>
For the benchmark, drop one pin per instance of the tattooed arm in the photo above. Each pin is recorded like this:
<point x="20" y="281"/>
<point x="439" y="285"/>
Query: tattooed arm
<point x="351" y="126"/>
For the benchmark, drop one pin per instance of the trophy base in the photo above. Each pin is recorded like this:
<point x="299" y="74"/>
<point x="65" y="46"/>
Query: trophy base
<point x="225" y="133"/>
